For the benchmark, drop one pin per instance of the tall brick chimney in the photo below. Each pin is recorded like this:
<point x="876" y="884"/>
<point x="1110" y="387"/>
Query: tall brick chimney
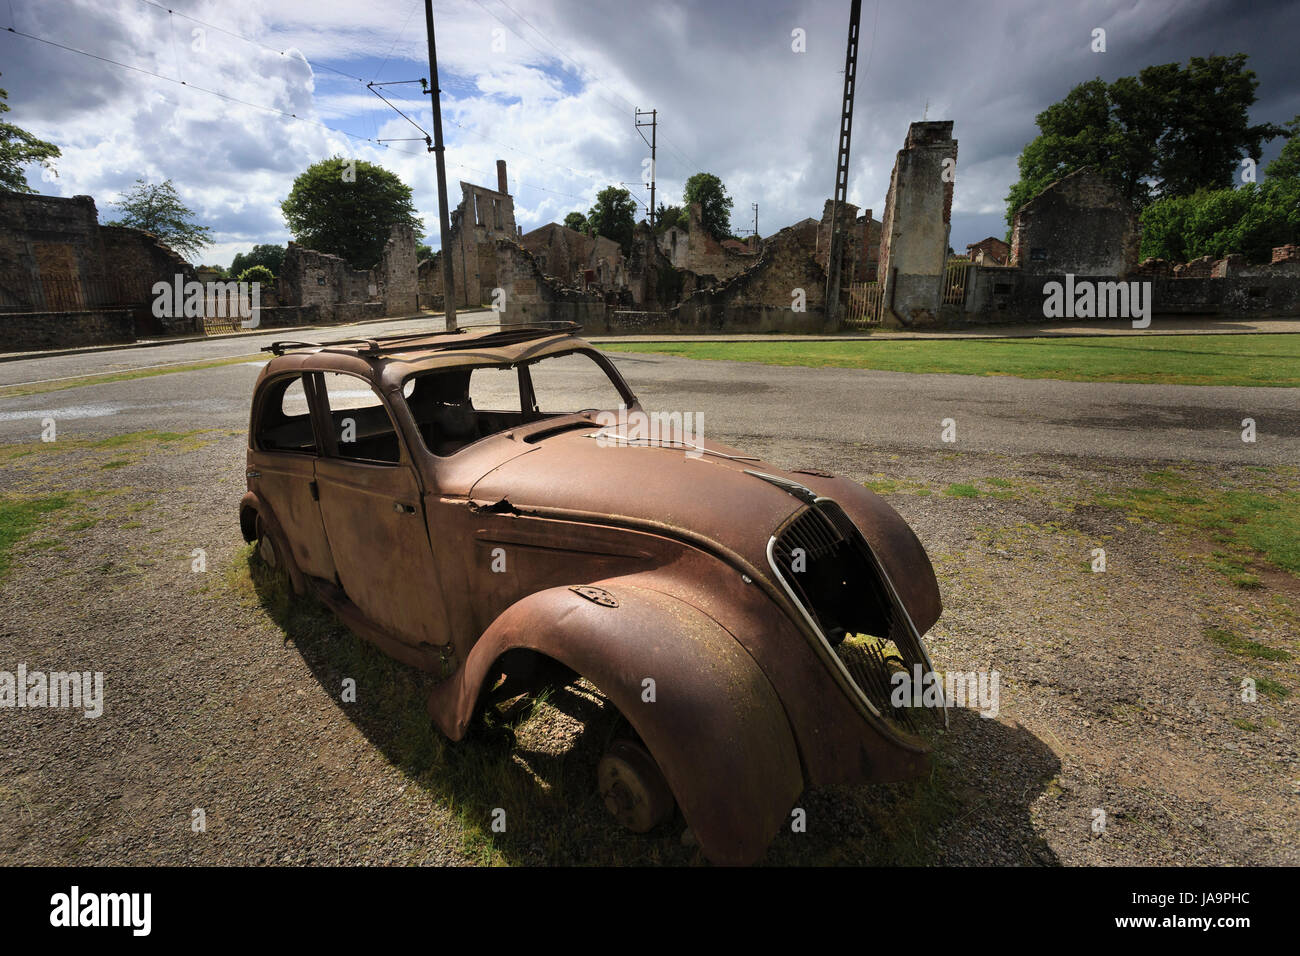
<point x="501" y="176"/>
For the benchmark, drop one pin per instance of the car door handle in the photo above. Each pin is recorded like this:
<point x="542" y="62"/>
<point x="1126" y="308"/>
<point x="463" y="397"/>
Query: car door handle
<point x="403" y="509"/>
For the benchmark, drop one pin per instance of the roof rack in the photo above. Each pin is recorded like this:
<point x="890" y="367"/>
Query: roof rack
<point x="374" y="346"/>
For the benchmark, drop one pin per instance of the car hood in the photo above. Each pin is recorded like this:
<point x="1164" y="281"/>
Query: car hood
<point x="707" y="492"/>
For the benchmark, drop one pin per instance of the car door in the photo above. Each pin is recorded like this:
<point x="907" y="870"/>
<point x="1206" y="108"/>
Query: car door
<point x="373" y="512"/>
<point x="282" y="469"/>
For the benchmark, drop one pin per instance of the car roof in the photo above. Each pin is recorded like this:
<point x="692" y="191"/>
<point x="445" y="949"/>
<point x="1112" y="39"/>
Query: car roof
<point x="389" y="360"/>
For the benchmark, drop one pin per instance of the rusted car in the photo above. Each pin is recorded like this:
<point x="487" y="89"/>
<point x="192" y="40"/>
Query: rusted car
<point x="479" y="505"/>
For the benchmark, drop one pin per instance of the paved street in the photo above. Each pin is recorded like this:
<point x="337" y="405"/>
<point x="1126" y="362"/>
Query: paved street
<point x="738" y="400"/>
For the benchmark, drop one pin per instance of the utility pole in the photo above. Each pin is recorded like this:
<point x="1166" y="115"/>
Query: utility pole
<point x="653" y="124"/>
<point x="842" y="167"/>
<point x="755" y="205"/>
<point x="444" y="224"/>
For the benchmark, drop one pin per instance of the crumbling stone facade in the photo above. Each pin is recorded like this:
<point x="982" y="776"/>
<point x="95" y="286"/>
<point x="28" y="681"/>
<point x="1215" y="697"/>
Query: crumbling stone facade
<point x="483" y="217"/>
<point x="397" y="273"/>
<point x="576" y="258"/>
<point x="339" y="293"/>
<point x="55" y="257"/>
<point x="531" y="296"/>
<point x="1080" y="224"/>
<point x="916" y="224"/>
<point x="707" y="256"/>
<point x="674" y="242"/>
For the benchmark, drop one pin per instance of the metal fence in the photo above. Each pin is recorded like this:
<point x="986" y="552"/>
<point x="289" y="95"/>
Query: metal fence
<point x="954" y="280"/>
<point x="44" y="294"/>
<point x="864" y="304"/>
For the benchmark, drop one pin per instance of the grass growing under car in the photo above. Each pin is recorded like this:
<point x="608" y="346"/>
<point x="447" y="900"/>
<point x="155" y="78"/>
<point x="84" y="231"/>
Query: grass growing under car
<point x="1264" y="360"/>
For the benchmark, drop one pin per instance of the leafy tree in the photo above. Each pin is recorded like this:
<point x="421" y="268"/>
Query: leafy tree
<point x="1287" y="164"/>
<point x="1251" y="220"/>
<point x="614" y="216"/>
<point x="668" y="216"/>
<point x="19" y="148"/>
<point x="258" y="274"/>
<point x="423" y="251"/>
<point x="1169" y="131"/>
<point x="576" y="220"/>
<point x="347" y="208"/>
<point x="158" y="209"/>
<point x="715" y="205"/>
<point x="263" y="254"/>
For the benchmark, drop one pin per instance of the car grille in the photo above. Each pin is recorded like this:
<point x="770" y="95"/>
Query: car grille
<point x="830" y="570"/>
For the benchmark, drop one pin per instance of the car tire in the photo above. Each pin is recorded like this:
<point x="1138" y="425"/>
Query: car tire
<point x="633" y="787"/>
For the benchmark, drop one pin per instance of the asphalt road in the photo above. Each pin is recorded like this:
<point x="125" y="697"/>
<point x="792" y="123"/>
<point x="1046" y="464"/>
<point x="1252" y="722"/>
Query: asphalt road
<point x="738" y="401"/>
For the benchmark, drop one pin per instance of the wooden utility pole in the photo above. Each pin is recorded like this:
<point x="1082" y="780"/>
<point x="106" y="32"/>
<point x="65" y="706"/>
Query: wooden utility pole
<point x="842" y="168"/>
<point x="444" y="222"/>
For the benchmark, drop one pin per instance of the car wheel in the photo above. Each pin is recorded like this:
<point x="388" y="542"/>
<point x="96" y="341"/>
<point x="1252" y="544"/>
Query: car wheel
<point x="633" y="787"/>
<point x="267" y="549"/>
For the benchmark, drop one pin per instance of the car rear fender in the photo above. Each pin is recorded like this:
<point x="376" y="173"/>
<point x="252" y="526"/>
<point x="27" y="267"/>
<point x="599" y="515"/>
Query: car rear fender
<point x="713" y="723"/>
<point x="251" y="507"/>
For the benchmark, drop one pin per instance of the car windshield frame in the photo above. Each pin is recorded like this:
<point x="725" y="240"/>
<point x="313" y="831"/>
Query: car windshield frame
<point x="528" y="413"/>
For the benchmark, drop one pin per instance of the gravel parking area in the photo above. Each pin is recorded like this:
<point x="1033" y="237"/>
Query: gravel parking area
<point x="1116" y="708"/>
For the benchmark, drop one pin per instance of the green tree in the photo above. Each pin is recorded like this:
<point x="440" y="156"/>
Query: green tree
<point x="576" y="220"/>
<point x="668" y="216"/>
<point x="1169" y="131"/>
<point x="347" y="208"/>
<point x="258" y="274"/>
<point x="158" y="209"/>
<point x="1251" y="220"/>
<point x="19" y="148"/>
<point x="263" y="254"/>
<point x="614" y="216"/>
<point x="1287" y="164"/>
<point x="423" y="251"/>
<point x="715" y="205"/>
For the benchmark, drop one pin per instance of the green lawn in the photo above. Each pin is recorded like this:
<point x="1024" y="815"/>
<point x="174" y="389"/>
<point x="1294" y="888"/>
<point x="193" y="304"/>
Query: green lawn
<point x="1272" y="360"/>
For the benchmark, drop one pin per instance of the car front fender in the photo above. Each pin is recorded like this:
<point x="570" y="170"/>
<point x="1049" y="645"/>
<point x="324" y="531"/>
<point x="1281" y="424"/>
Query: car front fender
<point x="714" y="724"/>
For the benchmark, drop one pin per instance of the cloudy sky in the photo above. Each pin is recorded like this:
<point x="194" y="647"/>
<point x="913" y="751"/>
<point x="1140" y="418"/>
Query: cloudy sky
<point x="207" y="95"/>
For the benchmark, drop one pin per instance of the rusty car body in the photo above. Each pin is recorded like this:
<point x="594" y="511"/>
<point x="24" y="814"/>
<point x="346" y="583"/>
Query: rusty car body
<point x="472" y="541"/>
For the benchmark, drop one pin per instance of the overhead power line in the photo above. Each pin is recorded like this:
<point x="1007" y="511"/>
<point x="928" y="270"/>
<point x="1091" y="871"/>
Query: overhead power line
<point x="623" y="110"/>
<point x="267" y="109"/>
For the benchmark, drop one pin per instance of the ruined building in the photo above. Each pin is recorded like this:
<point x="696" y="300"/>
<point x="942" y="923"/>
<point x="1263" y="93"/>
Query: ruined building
<point x="483" y="216"/>
<point x="315" y="287"/>
<point x="916" y="223"/>
<point x="67" y="280"/>
<point x="1079" y="224"/>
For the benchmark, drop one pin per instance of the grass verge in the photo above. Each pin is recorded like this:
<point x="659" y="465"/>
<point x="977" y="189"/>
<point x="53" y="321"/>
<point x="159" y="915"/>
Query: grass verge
<point x="1260" y="360"/>
<point x="39" y="388"/>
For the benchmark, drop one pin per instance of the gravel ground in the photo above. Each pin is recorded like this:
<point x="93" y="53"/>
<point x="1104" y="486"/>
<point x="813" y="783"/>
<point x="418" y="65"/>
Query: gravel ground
<point x="1113" y="701"/>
